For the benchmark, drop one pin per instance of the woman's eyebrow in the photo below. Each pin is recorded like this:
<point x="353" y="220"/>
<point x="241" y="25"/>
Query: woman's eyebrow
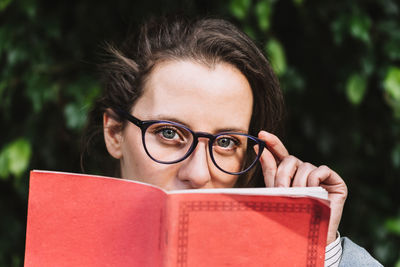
<point x="171" y="119"/>
<point x="231" y="130"/>
<point x="219" y="130"/>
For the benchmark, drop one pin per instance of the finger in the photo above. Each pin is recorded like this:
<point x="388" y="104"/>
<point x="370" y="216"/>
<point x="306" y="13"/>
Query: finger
<point x="268" y="165"/>
<point x="323" y="176"/>
<point x="286" y="171"/>
<point x="331" y="181"/>
<point x="275" y="145"/>
<point x="337" y="193"/>
<point x="302" y="173"/>
<point x="318" y="175"/>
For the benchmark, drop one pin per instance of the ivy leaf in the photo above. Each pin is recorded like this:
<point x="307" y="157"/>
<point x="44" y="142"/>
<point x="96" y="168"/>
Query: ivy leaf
<point x="75" y="116"/>
<point x="356" y="86"/>
<point x="30" y="8"/>
<point x="4" y="170"/>
<point x="298" y="2"/>
<point x="359" y="27"/>
<point x="392" y="49"/>
<point x="393" y="225"/>
<point x="14" y="158"/>
<point x="339" y="29"/>
<point x="392" y="83"/>
<point x="391" y="86"/>
<point x="263" y="12"/>
<point x="4" y="4"/>
<point x="240" y="8"/>
<point x="19" y="155"/>
<point x="249" y="31"/>
<point x="396" y="156"/>
<point x="276" y="55"/>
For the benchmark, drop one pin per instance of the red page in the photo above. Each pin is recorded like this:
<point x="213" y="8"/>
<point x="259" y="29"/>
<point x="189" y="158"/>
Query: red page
<point x="79" y="220"/>
<point x="240" y="230"/>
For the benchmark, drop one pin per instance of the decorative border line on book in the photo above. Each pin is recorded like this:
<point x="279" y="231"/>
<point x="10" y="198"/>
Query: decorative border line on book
<point x="192" y="206"/>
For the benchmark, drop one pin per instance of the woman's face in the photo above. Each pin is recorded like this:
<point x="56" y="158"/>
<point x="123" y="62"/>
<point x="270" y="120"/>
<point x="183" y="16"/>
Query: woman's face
<point x="203" y="98"/>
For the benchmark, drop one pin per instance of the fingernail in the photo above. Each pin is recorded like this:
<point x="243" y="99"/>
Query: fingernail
<point x="262" y="132"/>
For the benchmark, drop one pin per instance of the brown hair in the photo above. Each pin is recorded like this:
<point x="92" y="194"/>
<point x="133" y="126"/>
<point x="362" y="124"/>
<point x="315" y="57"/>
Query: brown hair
<point x="208" y="41"/>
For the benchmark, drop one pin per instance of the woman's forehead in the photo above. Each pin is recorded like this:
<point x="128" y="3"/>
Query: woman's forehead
<point x="197" y="94"/>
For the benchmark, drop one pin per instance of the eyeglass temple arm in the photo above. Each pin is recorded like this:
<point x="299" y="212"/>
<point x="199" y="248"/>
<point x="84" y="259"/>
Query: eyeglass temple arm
<point x="127" y="116"/>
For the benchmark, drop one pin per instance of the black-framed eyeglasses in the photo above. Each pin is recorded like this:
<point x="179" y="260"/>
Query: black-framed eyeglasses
<point x="169" y="142"/>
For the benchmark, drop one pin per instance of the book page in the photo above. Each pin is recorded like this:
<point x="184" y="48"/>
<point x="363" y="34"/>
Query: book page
<point x="82" y="220"/>
<point x="317" y="192"/>
<point x="246" y="230"/>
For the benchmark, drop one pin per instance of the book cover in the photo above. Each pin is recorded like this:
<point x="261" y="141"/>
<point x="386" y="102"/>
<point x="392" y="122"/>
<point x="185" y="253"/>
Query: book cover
<point x="86" y="220"/>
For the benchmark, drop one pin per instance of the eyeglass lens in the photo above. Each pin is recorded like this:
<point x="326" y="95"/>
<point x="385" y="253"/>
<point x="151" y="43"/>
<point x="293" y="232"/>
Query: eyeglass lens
<point x="168" y="143"/>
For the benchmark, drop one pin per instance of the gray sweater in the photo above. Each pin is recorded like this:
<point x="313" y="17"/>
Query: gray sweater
<point x="354" y="255"/>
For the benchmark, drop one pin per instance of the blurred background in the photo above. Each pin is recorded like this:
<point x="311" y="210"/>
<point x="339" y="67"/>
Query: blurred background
<point x="338" y="62"/>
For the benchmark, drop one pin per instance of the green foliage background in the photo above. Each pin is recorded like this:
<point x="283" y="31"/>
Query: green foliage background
<point x="338" y="62"/>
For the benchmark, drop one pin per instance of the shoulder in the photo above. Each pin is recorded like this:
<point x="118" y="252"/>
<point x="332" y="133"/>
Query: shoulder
<point x="354" y="255"/>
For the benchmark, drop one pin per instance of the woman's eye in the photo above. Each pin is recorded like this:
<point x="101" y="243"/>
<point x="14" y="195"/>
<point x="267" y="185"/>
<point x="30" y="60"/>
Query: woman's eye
<point x="169" y="133"/>
<point x="226" y="143"/>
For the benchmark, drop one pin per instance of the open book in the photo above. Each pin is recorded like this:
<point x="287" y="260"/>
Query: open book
<point x="85" y="220"/>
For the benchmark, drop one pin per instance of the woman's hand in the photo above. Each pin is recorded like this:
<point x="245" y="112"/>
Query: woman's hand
<point x="283" y="170"/>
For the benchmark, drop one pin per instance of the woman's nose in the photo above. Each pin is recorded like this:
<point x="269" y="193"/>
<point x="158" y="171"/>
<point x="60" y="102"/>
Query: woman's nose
<point x="195" y="169"/>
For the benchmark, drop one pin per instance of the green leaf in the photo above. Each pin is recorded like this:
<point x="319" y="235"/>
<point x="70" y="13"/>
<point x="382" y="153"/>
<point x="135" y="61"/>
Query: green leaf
<point x="40" y="90"/>
<point x="396" y="156"/>
<point x="298" y="2"/>
<point x="4" y="170"/>
<point x="240" y="8"/>
<point x="276" y="55"/>
<point x="392" y="49"/>
<point x="393" y="225"/>
<point x="4" y="4"/>
<point x="30" y="7"/>
<point x="360" y="25"/>
<point x="263" y="12"/>
<point x="356" y="86"/>
<point x="339" y="29"/>
<point x="391" y="86"/>
<point x="368" y="65"/>
<point x="397" y="264"/>
<point x="75" y="115"/>
<point x="292" y="81"/>
<point x="14" y="158"/>
<point x="16" y="55"/>
<point x="392" y="83"/>
<point x="19" y="155"/>
<point x="249" y="31"/>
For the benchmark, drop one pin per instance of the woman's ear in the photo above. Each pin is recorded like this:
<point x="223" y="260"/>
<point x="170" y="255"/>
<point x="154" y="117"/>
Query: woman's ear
<point x="112" y="134"/>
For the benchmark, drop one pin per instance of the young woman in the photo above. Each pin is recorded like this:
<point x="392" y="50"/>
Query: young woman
<point x="195" y="104"/>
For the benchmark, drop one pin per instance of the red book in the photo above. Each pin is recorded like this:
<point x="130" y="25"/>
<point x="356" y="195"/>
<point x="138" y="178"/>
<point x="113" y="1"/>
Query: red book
<point x="85" y="220"/>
